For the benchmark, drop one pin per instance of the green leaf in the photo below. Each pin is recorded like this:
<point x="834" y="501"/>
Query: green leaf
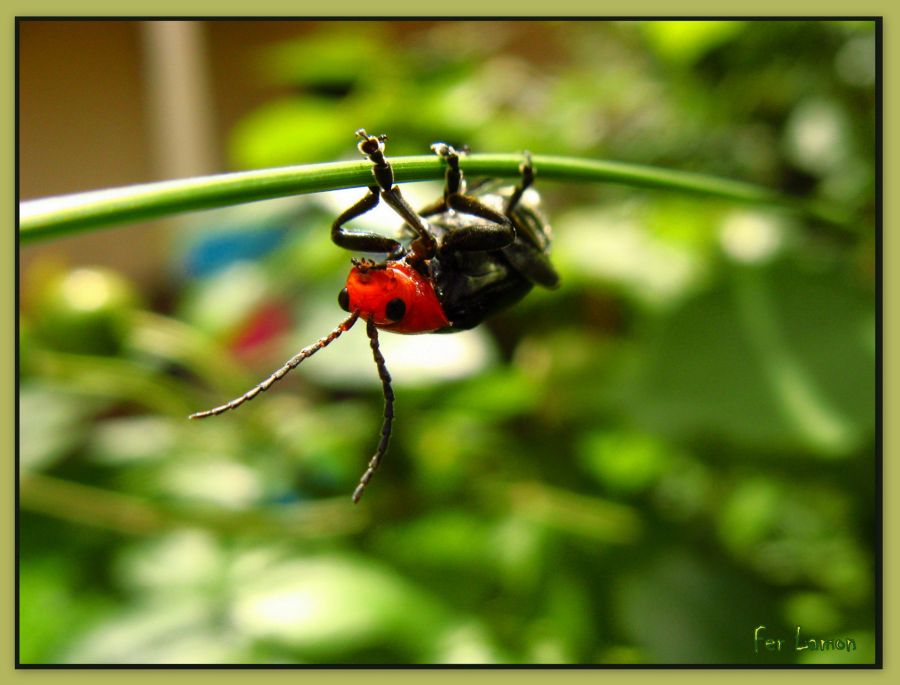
<point x="51" y="422"/>
<point x="777" y="356"/>
<point x="333" y="605"/>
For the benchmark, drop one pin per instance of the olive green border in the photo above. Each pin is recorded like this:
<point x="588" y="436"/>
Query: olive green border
<point x="885" y="8"/>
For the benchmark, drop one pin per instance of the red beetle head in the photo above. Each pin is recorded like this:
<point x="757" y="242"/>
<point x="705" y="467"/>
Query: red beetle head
<point x="395" y="296"/>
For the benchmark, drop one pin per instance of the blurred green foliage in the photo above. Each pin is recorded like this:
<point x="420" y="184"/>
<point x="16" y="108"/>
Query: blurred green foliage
<point x="674" y="448"/>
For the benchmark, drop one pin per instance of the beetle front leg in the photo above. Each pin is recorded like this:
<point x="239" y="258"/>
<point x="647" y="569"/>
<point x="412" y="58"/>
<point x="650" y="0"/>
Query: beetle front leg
<point x="359" y="241"/>
<point x="425" y="245"/>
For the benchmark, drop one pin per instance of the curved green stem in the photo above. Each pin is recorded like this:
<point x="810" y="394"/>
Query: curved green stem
<point x="67" y="214"/>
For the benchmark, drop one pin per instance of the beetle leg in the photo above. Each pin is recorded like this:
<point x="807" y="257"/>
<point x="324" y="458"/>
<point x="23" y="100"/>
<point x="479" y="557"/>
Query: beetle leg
<point x="526" y="168"/>
<point x="359" y="241"/>
<point x="454" y="182"/>
<point x="424" y="246"/>
<point x="495" y="234"/>
<point x="466" y="204"/>
<point x="479" y="238"/>
<point x="453" y="178"/>
<point x="439" y="206"/>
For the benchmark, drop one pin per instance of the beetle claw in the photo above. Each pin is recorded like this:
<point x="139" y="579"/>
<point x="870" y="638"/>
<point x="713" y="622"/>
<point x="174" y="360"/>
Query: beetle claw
<point x="364" y="265"/>
<point x="370" y="145"/>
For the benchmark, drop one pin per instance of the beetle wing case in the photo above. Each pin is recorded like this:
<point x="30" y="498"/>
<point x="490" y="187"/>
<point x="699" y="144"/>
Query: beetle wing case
<point x="472" y="286"/>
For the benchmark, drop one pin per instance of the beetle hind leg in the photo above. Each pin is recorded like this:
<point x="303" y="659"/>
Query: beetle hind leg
<point x="532" y="263"/>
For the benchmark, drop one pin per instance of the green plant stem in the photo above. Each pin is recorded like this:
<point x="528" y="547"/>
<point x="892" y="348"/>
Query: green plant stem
<point x="68" y="214"/>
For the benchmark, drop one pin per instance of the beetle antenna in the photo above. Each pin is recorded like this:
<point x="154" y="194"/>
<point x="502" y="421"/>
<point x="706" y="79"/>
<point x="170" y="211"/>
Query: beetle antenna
<point x="292" y="363"/>
<point x="374" y="462"/>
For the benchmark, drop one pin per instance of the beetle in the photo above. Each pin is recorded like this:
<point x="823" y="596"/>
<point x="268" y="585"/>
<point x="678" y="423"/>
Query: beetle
<point x="459" y="260"/>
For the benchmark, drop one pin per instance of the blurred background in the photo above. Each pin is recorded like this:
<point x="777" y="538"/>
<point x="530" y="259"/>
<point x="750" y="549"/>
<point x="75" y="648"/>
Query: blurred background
<point x="675" y="447"/>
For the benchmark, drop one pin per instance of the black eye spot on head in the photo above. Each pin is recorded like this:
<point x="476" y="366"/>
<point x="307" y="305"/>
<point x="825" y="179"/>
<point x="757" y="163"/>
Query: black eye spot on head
<point x="395" y="309"/>
<point x="344" y="300"/>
